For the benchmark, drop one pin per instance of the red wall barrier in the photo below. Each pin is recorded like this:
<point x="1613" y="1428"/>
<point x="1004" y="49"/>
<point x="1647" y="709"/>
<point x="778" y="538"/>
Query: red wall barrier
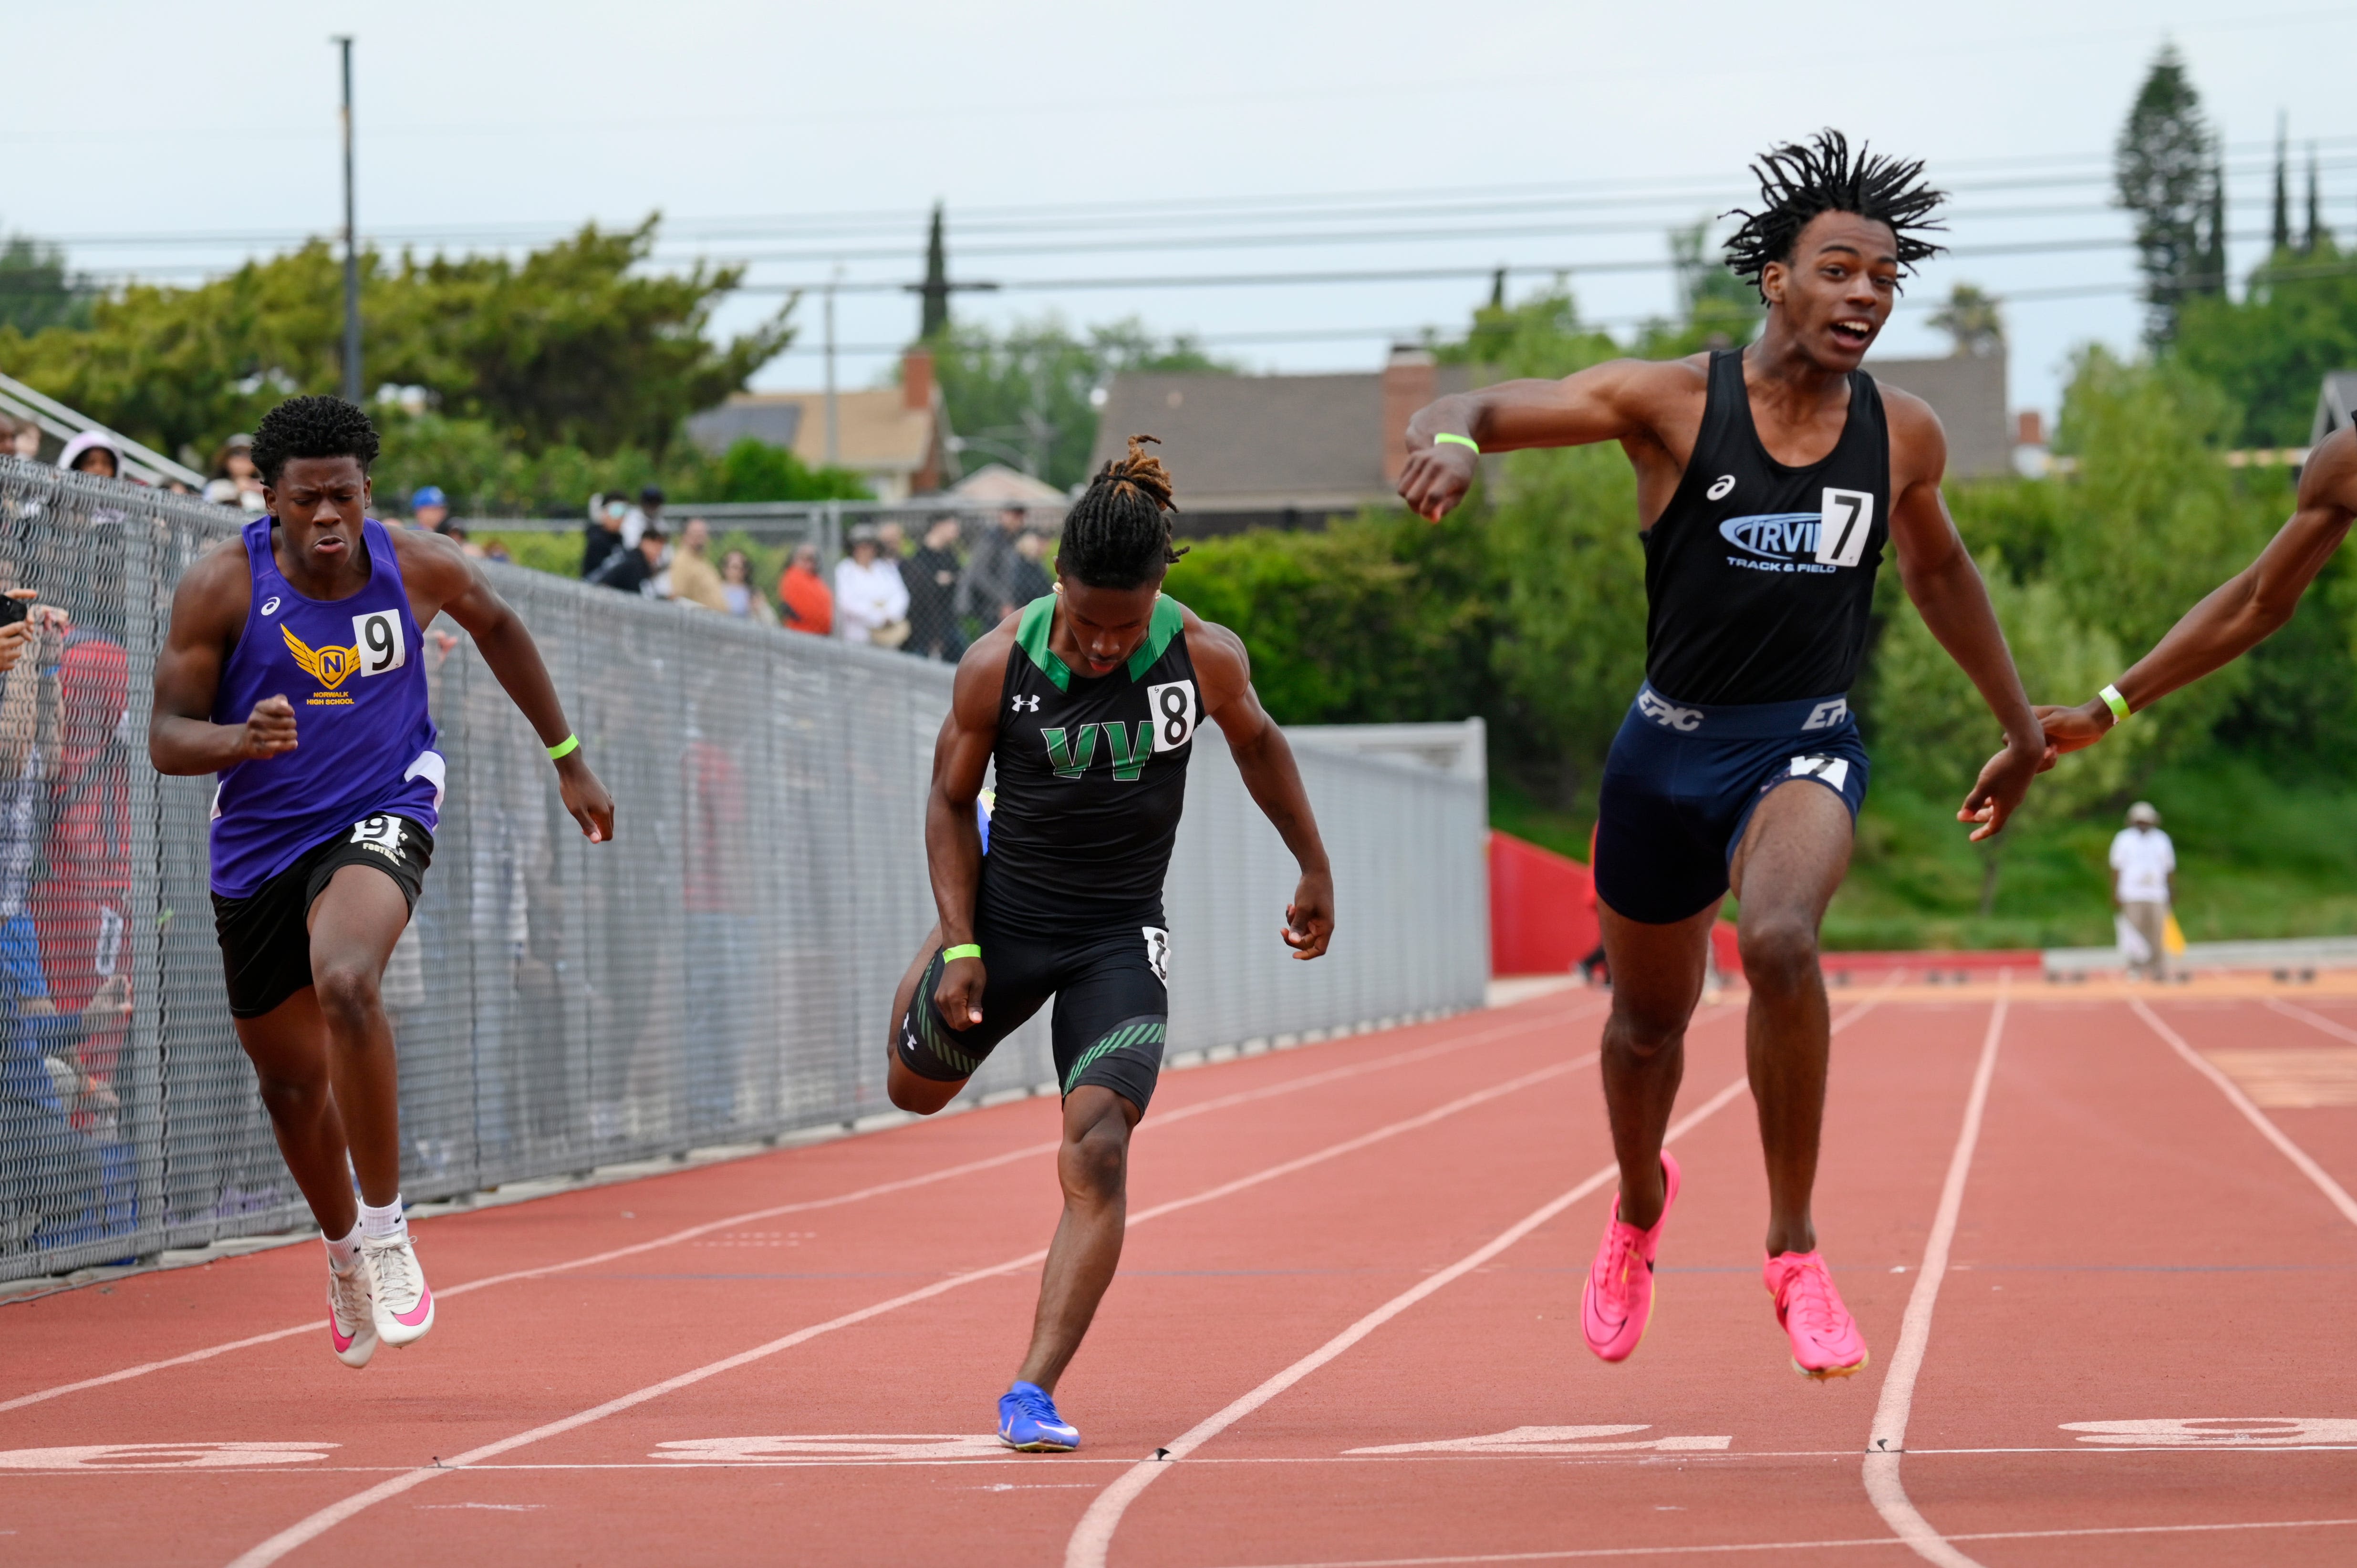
<point x="1542" y="908"/>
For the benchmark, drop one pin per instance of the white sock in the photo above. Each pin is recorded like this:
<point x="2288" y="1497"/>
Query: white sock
<point x="343" y="1255"/>
<point x="377" y="1224"/>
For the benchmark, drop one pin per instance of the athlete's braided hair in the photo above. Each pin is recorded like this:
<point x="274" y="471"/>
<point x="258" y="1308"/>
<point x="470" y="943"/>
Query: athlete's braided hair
<point x="1117" y="535"/>
<point x="312" y="428"/>
<point x="1796" y="182"/>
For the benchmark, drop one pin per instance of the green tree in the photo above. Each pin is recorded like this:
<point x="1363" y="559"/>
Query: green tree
<point x="1024" y="397"/>
<point x="571" y="346"/>
<point x="2165" y="172"/>
<point x="2269" y="351"/>
<point x="36" y="289"/>
<point x="1973" y="320"/>
<point x="1716" y="309"/>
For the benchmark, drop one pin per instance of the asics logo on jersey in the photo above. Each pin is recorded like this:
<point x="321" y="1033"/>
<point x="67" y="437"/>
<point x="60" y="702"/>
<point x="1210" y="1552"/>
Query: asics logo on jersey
<point x="1721" y="488"/>
<point x="1021" y="699"/>
<point x="1668" y="714"/>
<point x="270" y="605"/>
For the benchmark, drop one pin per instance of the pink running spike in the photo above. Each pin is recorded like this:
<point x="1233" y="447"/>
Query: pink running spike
<point x="1825" y="1340"/>
<point x="1617" y="1303"/>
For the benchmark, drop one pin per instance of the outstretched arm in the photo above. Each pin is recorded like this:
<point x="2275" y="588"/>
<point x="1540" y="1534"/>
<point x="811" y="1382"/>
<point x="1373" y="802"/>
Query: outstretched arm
<point x="1265" y="760"/>
<point x="441" y="569"/>
<point x="1620" y="401"/>
<point x="952" y="837"/>
<point x="1939" y="577"/>
<point x="2250" y="608"/>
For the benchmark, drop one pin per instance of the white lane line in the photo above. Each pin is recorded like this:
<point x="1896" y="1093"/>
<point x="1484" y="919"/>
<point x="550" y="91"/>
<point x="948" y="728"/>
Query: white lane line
<point x="2317" y="1020"/>
<point x="326" y="1519"/>
<point x="1577" y="1553"/>
<point x="881" y="1190"/>
<point x="1887" y="1439"/>
<point x="1092" y="1539"/>
<point x="2332" y="1190"/>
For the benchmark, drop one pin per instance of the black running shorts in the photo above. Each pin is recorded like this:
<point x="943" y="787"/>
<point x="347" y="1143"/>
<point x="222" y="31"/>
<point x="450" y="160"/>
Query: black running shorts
<point x="1112" y="1008"/>
<point x="265" y="940"/>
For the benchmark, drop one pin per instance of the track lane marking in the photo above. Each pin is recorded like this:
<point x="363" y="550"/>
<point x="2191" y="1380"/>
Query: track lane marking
<point x="1887" y="1438"/>
<point x="2333" y="1191"/>
<point x="1575" y="1553"/>
<point x="2317" y="1020"/>
<point x="326" y="1519"/>
<point x="880" y="1189"/>
<point x="1092" y="1539"/>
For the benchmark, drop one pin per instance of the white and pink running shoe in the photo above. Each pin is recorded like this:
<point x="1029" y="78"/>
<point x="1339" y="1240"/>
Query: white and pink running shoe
<point x="1617" y="1301"/>
<point x="352" y="1324"/>
<point x="1825" y="1340"/>
<point x="402" y="1307"/>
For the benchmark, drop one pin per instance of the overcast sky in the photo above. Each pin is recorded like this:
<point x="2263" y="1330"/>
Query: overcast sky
<point x="799" y="134"/>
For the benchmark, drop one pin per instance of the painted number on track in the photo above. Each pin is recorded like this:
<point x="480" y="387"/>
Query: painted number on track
<point x="2217" y="1431"/>
<point x="859" y="1448"/>
<point x="162" y="1456"/>
<point x="1554" y="1440"/>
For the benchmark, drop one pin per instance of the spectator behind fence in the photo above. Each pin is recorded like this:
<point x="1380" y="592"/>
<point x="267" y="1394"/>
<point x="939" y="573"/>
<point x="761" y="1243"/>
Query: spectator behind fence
<point x="92" y="452"/>
<point x="604" y="534"/>
<point x="891" y="544"/>
<point x="803" y="595"/>
<point x="429" y="509"/>
<point x="932" y="575"/>
<point x="2144" y="888"/>
<point x="28" y="441"/>
<point x="236" y="482"/>
<point x="1028" y="578"/>
<point x="647" y="514"/>
<point x="743" y="600"/>
<point x="81" y="895"/>
<point x="636" y="571"/>
<point x="987" y="592"/>
<point x="693" y="578"/>
<point x="871" y="603"/>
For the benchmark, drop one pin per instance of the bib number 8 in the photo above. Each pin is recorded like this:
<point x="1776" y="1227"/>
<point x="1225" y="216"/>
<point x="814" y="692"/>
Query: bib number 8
<point x="1172" y="707"/>
<point x="378" y="637"/>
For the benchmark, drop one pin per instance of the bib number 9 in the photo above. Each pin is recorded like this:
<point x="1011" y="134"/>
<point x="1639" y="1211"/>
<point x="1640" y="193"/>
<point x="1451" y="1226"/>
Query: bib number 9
<point x="378" y="637"/>
<point x="1172" y="707"/>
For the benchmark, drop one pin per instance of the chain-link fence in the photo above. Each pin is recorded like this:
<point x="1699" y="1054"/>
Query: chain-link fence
<point x="721" y="972"/>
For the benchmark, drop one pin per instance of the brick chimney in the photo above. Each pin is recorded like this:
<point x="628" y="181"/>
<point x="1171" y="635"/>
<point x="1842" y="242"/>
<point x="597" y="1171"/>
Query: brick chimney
<point x="1409" y="383"/>
<point x="917" y="380"/>
<point x="2030" y="428"/>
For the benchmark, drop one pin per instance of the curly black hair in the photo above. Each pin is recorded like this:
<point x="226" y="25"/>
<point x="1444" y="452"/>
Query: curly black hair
<point x="1117" y="535"/>
<point x="1796" y="182"/>
<point x="312" y="428"/>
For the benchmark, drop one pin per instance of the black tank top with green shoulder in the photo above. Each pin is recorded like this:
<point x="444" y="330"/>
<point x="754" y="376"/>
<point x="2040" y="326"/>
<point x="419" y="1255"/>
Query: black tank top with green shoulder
<point x="1092" y="776"/>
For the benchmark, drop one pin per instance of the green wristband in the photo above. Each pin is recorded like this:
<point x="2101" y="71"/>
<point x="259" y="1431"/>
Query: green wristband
<point x="2113" y="701"/>
<point x="1457" y="440"/>
<point x="964" y="949"/>
<point x="565" y="748"/>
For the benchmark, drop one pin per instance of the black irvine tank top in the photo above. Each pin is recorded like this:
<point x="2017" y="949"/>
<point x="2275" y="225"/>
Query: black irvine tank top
<point x="1092" y="776"/>
<point x="1759" y="577"/>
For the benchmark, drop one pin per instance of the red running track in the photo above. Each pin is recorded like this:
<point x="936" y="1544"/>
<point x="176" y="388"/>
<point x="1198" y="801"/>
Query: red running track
<point x="1347" y="1313"/>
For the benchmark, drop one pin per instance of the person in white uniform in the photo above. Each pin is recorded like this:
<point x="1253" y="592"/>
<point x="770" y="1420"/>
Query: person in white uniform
<point x="2144" y="887"/>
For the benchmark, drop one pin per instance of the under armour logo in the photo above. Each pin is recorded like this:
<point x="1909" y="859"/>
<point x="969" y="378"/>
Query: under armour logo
<point x="1020" y="708"/>
<point x="1721" y="488"/>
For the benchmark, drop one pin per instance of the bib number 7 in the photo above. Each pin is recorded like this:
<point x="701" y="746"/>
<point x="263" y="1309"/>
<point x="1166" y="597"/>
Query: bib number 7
<point x="1843" y="526"/>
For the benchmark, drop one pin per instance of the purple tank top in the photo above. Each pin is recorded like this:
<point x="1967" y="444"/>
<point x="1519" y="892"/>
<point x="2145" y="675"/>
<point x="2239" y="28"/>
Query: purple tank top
<point x="364" y="742"/>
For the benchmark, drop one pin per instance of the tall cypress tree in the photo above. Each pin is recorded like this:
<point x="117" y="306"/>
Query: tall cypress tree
<point x="2317" y="238"/>
<point x="2280" y="232"/>
<point x="933" y="319"/>
<point x="2211" y="269"/>
<point x="2162" y="166"/>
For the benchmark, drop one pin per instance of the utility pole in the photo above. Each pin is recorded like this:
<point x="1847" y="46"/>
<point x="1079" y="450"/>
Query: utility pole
<point x="834" y="428"/>
<point x="351" y="241"/>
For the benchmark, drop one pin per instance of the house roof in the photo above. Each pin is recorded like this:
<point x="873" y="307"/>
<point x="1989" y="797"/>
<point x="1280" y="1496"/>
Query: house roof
<point x="1967" y="392"/>
<point x="997" y="482"/>
<point x="875" y="432"/>
<point x="1250" y="443"/>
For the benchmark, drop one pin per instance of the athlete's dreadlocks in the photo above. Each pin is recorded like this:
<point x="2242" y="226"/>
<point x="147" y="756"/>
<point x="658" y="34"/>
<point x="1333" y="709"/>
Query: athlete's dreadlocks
<point x="1796" y="182"/>
<point x="1118" y="534"/>
<point x="312" y="428"/>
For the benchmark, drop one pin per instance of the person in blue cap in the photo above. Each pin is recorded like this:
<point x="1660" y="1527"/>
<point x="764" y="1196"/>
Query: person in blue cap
<point x="429" y="509"/>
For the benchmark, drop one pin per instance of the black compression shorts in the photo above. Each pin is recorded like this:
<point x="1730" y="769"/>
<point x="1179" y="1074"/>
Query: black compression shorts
<point x="1113" y="1009"/>
<point x="265" y="940"/>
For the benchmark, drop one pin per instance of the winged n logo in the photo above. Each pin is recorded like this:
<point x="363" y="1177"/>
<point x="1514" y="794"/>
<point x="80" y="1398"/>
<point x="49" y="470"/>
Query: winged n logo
<point x="329" y="666"/>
